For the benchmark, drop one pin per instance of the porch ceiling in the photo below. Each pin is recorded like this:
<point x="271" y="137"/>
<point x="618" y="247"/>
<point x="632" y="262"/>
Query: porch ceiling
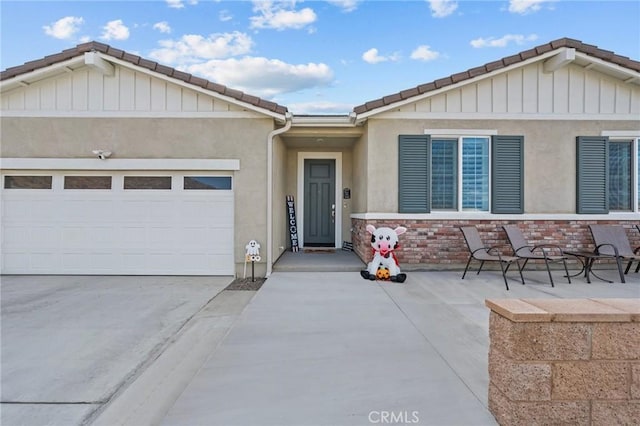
<point x="319" y="142"/>
<point x="322" y="137"/>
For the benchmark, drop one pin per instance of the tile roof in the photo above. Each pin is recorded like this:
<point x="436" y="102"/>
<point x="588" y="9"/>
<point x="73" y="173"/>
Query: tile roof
<point x="94" y="46"/>
<point x="587" y="49"/>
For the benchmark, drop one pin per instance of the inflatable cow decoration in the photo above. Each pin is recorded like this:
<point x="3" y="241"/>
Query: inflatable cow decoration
<point x="384" y="265"/>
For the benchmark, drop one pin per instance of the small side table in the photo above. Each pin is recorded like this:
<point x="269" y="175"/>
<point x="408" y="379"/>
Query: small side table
<point x="587" y="258"/>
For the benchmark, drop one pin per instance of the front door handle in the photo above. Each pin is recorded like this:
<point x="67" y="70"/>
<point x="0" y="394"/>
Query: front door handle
<point x="333" y="212"/>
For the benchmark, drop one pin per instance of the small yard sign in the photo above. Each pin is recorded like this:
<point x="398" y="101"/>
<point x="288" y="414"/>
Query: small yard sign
<point x="293" y="227"/>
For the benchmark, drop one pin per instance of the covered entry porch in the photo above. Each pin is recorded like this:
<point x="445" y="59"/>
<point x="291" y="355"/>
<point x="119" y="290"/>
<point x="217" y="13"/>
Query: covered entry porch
<point x="315" y="192"/>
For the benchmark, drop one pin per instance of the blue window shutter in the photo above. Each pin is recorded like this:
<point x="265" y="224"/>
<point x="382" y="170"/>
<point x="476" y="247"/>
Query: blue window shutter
<point x="592" y="174"/>
<point x="413" y="174"/>
<point x="507" y="174"/>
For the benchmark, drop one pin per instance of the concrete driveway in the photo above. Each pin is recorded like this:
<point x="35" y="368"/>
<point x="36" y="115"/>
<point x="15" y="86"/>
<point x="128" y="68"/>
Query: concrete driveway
<point x="70" y="343"/>
<point x="308" y="349"/>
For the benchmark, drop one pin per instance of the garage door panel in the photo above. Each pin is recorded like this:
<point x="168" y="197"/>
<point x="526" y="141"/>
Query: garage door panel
<point x="16" y="237"/>
<point x="213" y="211"/>
<point x="21" y="208"/>
<point x="161" y="212"/>
<point x="78" y="262"/>
<point x="43" y="261"/>
<point x="46" y="237"/>
<point x="132" y="237"/>
<point x="83" y="236"/>
<point x="117" y="231"/>
<point x="161" y="236"/>
<point x="15" y="261"/>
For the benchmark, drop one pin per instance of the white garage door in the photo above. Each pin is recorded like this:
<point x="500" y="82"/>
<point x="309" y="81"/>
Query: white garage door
<point x="117" y="223"/>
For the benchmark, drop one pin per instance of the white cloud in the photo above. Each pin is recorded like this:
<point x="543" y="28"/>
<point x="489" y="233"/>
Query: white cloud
<point x="321" y="107"/>
<point x="280" y="15"/>
<point x="373" y="57"/>
<point x="64" y="28"/>
<point x="524" y="7"/>
<point x="162" y="26"/>
<point x="264" y="77"/>
<point x="225" y="15"/>
<point x="424" y="53"/>
<point x="346" y="5"/>
<point x="442" y="8"/>
<point x="503" y="41"/>
<point x="192" y="48"/>
<point x="179" y="4"/>
<point x="115" y="30"/>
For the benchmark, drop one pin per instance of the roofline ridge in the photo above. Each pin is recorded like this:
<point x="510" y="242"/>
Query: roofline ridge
<point x="95" y="46"/>
<point x="568" y="42"/>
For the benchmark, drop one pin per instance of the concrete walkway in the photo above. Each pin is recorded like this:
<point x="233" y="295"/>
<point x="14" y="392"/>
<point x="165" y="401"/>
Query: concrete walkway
<point x="333" y="349"/>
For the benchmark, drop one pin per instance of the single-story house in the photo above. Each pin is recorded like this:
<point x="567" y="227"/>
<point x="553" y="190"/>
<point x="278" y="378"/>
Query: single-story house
<point x="115" y="164"/>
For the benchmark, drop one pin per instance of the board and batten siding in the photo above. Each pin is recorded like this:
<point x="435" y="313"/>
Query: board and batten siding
<point x="127" y="90"/>
<point x="530" y="90"/>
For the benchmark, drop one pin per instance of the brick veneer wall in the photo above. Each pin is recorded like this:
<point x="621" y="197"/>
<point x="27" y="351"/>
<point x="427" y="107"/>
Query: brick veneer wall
<point x="557" y="361"/>
<point x="439" y="244"/>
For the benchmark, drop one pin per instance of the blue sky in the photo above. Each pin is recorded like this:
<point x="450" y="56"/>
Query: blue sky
<point x="316" y="57"/>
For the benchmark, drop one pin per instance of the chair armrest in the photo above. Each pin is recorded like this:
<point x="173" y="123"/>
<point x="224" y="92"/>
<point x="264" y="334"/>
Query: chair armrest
<point x="484" y="249"/>
<point x="516" y="250"/>
<point x="497" y="252"/>
<point x="543" y="246"/>
<point x="615" y="250"/>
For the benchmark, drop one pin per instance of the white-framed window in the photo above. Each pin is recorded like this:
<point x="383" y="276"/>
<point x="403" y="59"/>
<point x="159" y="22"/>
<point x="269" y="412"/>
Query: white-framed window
<point x="28" y="182"/>
<point x="624" y="171"/>
<point x="207" y="183"/>
<point x="460" y="173"/>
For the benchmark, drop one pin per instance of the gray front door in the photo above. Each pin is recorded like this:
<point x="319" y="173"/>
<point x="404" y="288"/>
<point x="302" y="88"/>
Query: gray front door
<point x="319" y="203"/>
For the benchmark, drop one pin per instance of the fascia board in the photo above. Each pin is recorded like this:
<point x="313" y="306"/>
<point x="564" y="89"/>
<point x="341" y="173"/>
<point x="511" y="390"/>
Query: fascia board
<point x="118" y="164"/>
<point x="39" y="74"/>
<point x="280" y="117"/>
<point x="633" y="75"/>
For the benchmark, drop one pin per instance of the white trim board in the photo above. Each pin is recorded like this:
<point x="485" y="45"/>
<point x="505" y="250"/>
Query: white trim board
<point x="117" y="164"/>
<point x="337" y="156"/>
<point x="439" y="216"/>
<point x="461" y="132"/>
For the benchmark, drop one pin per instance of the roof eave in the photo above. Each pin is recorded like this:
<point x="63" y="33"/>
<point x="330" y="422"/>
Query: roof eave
<point x="26" y="79"/>
<point x="281" y="117"/>
<point x="398" y="104"/>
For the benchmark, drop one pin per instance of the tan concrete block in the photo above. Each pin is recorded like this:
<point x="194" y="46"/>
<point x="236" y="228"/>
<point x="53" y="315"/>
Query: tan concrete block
<point x="537" y="413"/>
<point x="590" y="380"/>
<point x="580" y="310"/>
<point x="616" y="341"/>
<point x="540" y="341"/>
<point x="632" y="306"/>
<point x="635" y="380"/>
<point x="500" y="330"/>
<point x="613" y="413"/>
<point x="500" y="406"/>
<point x="518" y="310"/>
<point x="549" y="341"/>
<point x="520" y="381"/>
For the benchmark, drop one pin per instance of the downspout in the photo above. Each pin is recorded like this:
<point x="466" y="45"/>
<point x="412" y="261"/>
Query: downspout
<point x="270" y="137"/>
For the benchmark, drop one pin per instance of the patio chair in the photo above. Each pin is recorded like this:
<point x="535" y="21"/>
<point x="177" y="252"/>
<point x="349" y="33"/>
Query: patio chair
<point x="524" y="251"/>
<point x="478" y="251"/>
<point x="612" y="241"/>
